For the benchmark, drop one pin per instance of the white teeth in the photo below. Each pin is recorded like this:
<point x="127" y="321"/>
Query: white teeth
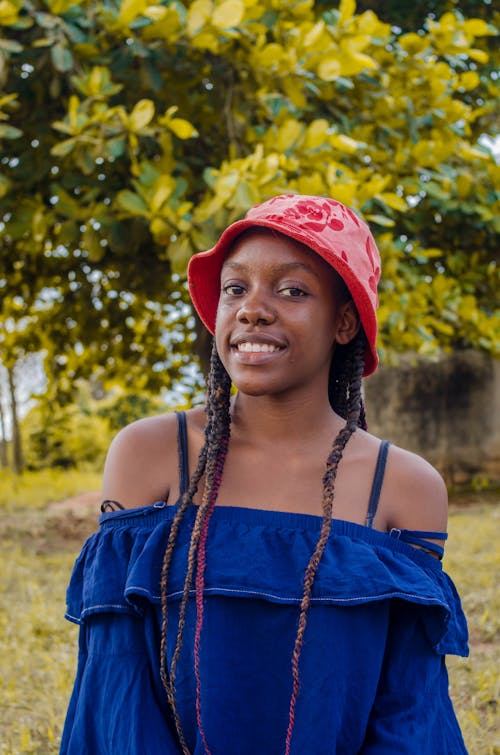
<point x="257" y="347"/>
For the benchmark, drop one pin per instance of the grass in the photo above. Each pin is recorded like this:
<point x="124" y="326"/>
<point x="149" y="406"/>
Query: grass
<point x="473" y="561"/>
<point x="38" y="648"/>
<point x="34" y="490"/>
<point x="37" y="651"/>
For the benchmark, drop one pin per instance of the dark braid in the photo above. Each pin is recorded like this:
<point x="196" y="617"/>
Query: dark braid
<point x="346" y="394"/>
<point x="210" y="462"/>
<point x="340" y="377"/>
<point x="345" y="397"/>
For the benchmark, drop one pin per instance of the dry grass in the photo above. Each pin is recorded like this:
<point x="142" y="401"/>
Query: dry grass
<point x="38" y="648"/>
<point x="473" y="561"/>
<point x="34" y="490"/>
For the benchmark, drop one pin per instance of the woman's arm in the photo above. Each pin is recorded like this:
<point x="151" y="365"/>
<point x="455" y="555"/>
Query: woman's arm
<point x="412" y="712"/>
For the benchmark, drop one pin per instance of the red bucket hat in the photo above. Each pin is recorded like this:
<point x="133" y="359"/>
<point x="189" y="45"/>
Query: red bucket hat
<point x="327" y="227"/>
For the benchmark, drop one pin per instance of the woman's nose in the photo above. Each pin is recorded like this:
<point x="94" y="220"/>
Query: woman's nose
<point x="256" y="308"/>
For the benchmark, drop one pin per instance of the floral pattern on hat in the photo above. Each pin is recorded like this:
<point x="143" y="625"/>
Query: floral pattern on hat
<point x="317" y="216"/>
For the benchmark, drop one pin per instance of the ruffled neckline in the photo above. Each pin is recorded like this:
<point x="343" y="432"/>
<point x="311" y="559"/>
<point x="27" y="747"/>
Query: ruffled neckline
<point x="150" y="516"/>
<point x="262" y="554"/>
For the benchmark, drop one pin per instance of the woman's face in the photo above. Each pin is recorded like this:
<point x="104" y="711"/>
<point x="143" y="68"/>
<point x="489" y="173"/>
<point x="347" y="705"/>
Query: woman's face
<point x="281" y="311"/>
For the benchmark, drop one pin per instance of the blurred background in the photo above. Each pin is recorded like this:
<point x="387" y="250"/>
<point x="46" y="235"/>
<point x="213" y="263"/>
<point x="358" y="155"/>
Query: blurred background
<point x="131" y="134"/>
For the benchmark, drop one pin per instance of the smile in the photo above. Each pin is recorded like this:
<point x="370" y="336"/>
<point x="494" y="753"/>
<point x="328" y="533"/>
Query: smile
<point x="257" y="348"/>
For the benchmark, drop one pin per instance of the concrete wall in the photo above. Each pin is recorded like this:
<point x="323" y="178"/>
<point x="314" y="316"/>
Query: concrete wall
<point x="448" y="411"/>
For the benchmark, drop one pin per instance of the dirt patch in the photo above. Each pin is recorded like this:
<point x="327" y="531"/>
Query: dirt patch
<point x="62" y="526"/>
<point x="70" y="522"/>
<point x="81" y="506"/>
<point x="67" y="530"/>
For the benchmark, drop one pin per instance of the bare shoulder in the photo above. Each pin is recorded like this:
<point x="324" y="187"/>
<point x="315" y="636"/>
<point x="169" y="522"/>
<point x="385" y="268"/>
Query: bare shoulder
<point x="414" y="494"/>
<point x="141" y="462"/>
<point x="141" y="465"/>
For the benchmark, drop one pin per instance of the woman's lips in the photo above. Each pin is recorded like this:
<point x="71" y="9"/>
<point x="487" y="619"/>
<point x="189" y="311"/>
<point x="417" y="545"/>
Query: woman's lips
<point x="254" y="349"/>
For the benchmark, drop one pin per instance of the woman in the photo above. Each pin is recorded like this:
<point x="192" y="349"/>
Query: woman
<point x="289" y="596"/>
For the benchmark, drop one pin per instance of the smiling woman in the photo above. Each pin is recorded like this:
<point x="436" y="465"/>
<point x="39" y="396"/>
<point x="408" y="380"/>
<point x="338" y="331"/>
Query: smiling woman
<point x="287" y="596"/>
<point x="278" y="309"/>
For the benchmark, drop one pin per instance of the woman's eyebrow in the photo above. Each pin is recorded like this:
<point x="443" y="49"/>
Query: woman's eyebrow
<point x="280" y="269"/>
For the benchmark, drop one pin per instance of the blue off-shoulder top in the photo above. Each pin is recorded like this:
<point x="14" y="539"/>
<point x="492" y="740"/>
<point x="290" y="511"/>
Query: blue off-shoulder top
<point x="372" y="670"/>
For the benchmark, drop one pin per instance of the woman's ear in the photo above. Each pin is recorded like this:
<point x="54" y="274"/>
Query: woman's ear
<point x="348" y="323"/>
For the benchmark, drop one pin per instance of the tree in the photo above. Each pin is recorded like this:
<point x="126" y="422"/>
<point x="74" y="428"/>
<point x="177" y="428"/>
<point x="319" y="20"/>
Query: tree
<point x="413" y="17"/>
<point x="4" y="459"/>
<point x="132" y="133"/>
<point x="19" y="343"/>
<point x="64" y="437"/>
<point x="17" y="449"/>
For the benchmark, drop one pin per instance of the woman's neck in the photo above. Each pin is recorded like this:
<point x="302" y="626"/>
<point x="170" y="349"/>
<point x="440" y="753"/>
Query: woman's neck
<point x="288" y="418"/>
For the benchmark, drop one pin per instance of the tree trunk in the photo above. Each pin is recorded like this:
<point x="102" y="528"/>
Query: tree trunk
<point x="17" y="451"/>
<point x="203" y="345"/>
<point x="4" y="460"/>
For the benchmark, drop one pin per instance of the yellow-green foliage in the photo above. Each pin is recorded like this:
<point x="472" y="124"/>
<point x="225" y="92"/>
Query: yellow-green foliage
<point x="158" y="123"/>
<point x="38" y="648"/>
<point x="64" y="437"/>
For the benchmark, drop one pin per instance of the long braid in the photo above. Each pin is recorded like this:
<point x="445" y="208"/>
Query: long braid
<point x="167" y="559"/>
<point x="200" y="583"/>
<point x="218" y="396"/>
<point x="211" y="457"/>
<point x="345" y="397"/>
<point x="350" y="397"/>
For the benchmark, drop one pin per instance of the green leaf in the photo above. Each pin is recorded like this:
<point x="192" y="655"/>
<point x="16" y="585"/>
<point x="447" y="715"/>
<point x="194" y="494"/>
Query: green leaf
<point x="131" y="203"/>
<point x="43" y="42"/>
<point x="10" y="45"/>
<point x="382" y="220"/>
<point x="246" y="195"/>
<point x="91" y="242"/>
<point x="75" y="34"/>
<point x="130" y="9"/>
<point x="116" y="147"/>
<point x="229" y="13"/>
<point x="141" y="115"/>
<point x="46" y="20"/>
<point x="179" y="253"/>
<point x="5" y="185"/>
<point x="9" y="132"/>
<point x="85" y="161"/>
<point x="162" y="190"/>
<point x="182" y="128"/>
<point x="435" y="190"/>
<point x="62" y="149"/>
<point x="61" y="58"/>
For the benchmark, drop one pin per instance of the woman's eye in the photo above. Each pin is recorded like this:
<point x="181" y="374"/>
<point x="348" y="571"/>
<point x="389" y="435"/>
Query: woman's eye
<point x="293" y="292"/>
<point x="233" y="289"/>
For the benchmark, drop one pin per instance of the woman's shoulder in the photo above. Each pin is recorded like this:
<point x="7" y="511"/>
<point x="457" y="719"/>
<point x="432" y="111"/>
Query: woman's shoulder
<point x="142" y="464"/>
<point x="414" y="495"/>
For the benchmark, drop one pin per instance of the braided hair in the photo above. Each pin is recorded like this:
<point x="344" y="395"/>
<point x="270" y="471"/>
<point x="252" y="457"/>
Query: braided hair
<point x="344" y="391"/>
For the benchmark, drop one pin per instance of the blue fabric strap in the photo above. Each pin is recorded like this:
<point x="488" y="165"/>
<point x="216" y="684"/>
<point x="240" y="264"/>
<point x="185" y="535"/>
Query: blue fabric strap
<point x="378" y="479"/>
<point x="183" y="453"/>
<point x="417" y="537"/>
